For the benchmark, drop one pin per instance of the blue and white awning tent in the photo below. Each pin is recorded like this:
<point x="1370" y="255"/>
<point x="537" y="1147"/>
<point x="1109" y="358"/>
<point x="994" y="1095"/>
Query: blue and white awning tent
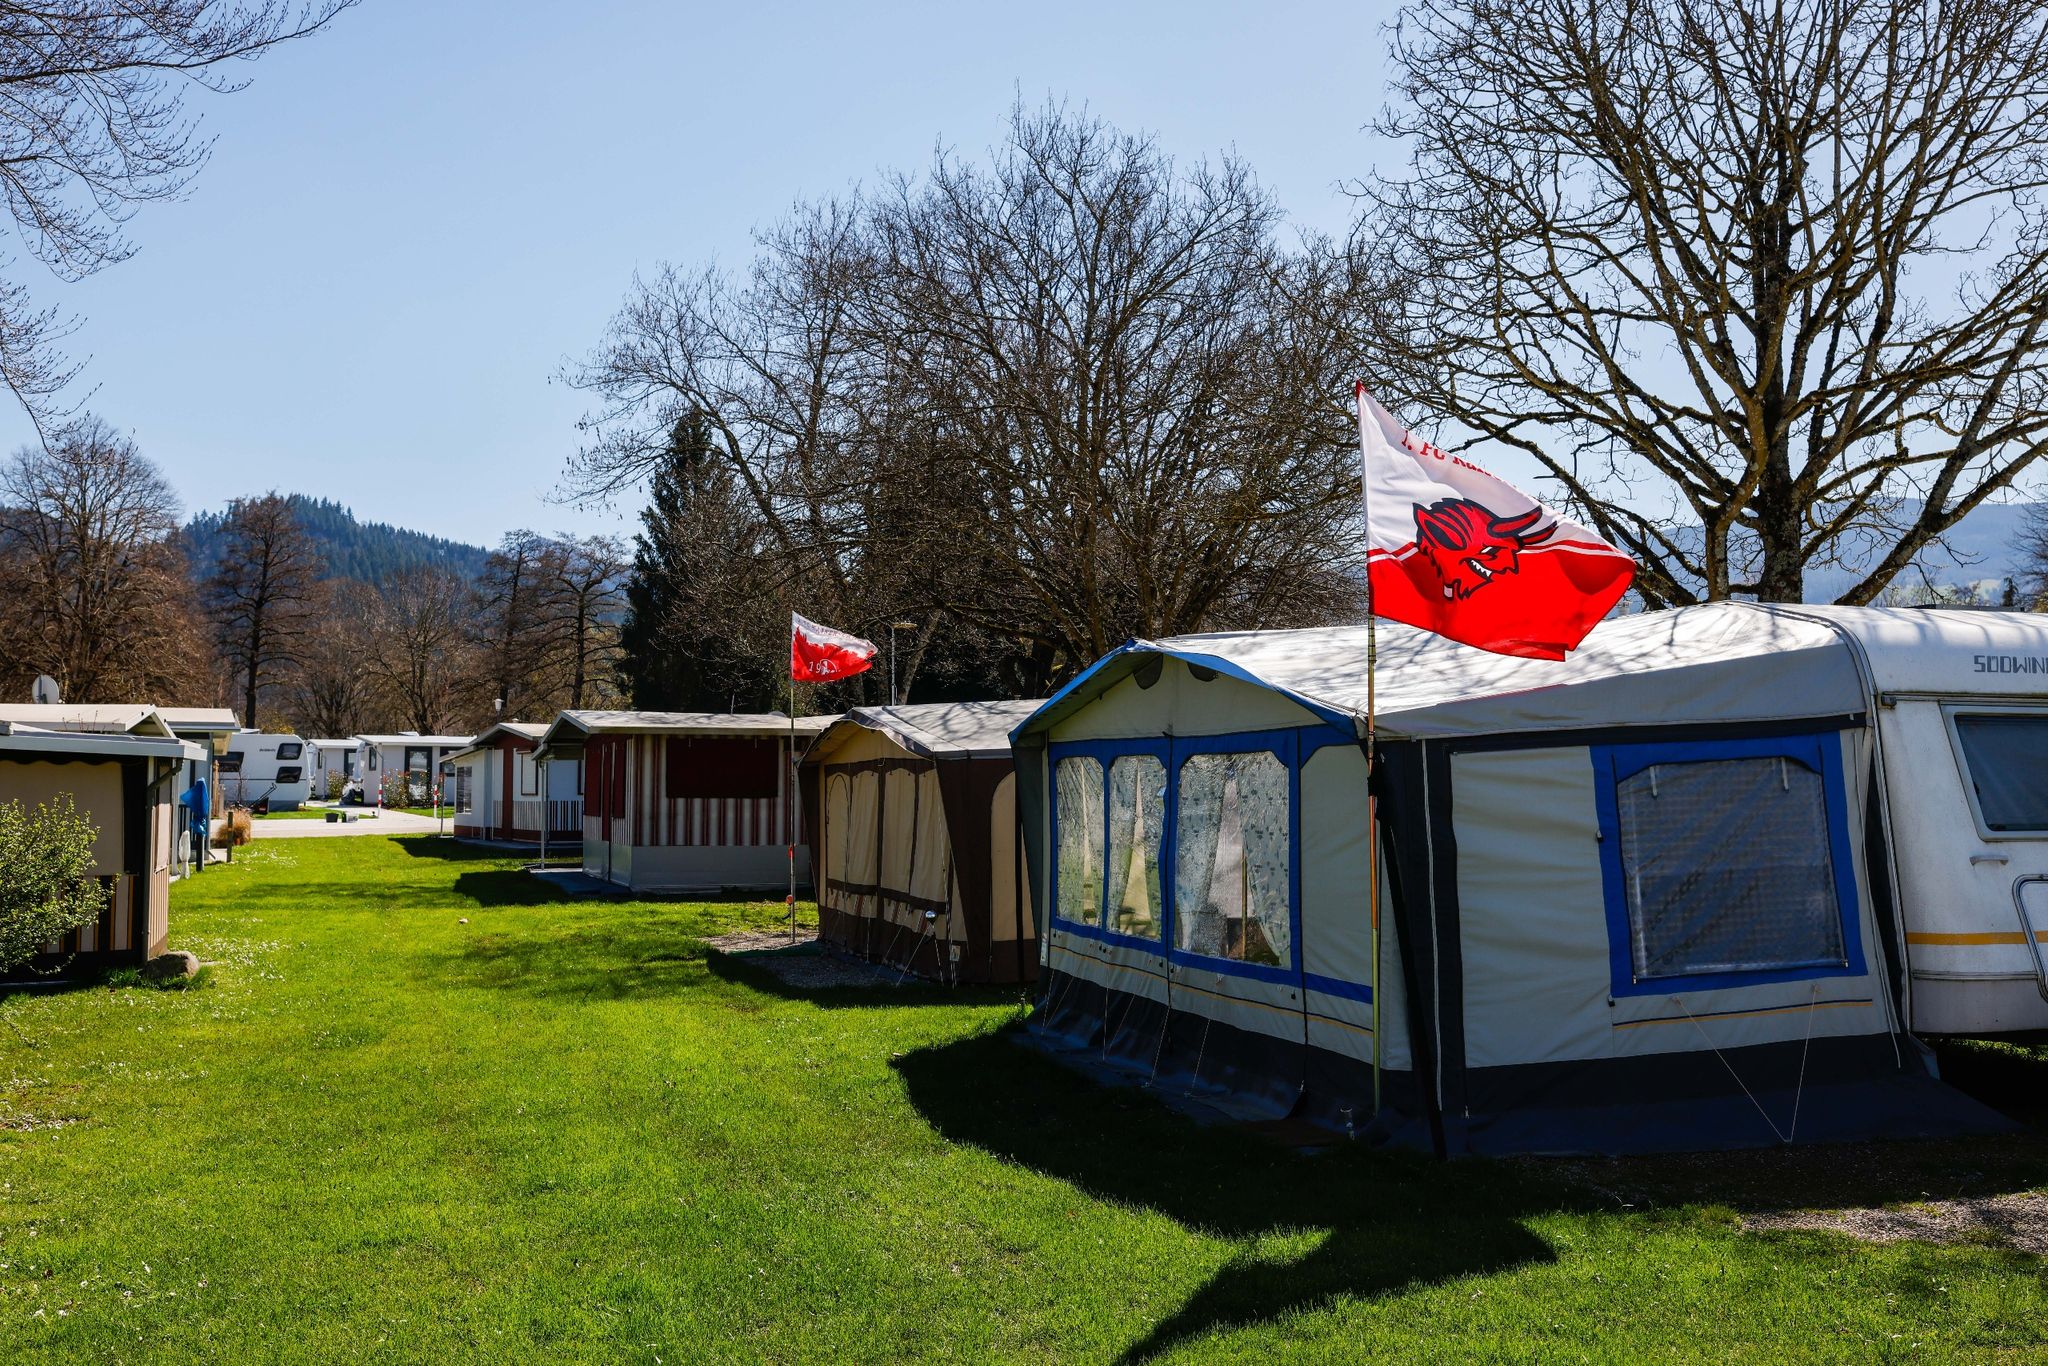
<point x="1636" y="900"/>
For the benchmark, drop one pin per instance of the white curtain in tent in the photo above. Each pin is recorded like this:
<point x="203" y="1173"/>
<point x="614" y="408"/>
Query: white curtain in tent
<point x="1231" y="858"/>
<point x="1137" y="821"/>
<point x="1077" y="782"/>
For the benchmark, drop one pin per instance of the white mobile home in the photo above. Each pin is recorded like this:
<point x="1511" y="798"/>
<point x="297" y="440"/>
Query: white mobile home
<point x="1694" y="887"/>
<point x="405" y="769"/>
<point x="332" y="759"/>
<point x="498" y="784"/>
<point x="262" y="769"/>
<point x="687" y="801"/>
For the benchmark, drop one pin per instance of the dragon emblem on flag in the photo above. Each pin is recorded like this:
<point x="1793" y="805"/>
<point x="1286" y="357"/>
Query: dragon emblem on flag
<point x="1469" y="546"/>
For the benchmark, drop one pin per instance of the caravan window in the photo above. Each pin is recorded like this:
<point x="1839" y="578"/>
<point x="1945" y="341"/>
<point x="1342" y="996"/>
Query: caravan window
<point x="287" y="776"/>
<point x="1077" y="814"/>
<point x="289" y="750"/>
<point x="1137" y="824"/>
<point x="2006" y="754"/>
<point x="1231" y="858"/>
<point x="1727" y="866"/>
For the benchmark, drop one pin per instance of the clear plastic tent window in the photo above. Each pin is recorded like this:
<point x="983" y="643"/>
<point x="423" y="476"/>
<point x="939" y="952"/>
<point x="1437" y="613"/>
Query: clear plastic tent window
<point x="1728" y="868"/>
<point x="1137" y="822"/>
<point x="1231" y="859"/>
<point x="1077" y="785"/>
<point x="2007" y="755"/>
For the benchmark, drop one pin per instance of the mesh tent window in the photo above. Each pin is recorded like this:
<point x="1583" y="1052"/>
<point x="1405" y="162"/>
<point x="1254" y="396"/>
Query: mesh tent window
<point x="1725" y="864"/>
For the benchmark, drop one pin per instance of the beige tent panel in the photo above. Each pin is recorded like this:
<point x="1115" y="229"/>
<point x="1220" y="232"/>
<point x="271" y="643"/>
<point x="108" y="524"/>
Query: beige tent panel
<point x="931" y="876"/>
<point x="1003" y="925"/>
<point x="899" y="822"/>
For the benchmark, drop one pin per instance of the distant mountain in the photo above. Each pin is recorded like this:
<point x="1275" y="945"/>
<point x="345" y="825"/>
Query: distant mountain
<point x="370" y="551"/>
<point x="1980" y="553"/>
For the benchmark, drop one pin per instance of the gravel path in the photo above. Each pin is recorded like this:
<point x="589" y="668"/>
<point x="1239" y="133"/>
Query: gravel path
<point x="390" y="823"/>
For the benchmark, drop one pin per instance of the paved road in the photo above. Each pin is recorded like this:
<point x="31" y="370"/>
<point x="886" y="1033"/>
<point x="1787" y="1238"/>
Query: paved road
<point x="389" y="823"/>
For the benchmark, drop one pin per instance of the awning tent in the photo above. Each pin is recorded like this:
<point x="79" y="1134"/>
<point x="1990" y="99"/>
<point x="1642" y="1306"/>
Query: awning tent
<point x="913" y="827"/>
<point x="688" y="801"/>
<point x="1634" y="900"/>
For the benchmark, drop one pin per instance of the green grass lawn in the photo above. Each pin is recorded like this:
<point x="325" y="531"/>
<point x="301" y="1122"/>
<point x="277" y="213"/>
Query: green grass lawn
<point x="565" y="1131"/>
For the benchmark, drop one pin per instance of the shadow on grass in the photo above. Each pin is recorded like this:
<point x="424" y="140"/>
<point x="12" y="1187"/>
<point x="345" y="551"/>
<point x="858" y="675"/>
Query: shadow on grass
<point x="427" y="844"/>
<point x="757" y="970"/>
<point x="2008" y="1078"/>
<point x="1392" y="1221"/>
<point x="507" y="887"/>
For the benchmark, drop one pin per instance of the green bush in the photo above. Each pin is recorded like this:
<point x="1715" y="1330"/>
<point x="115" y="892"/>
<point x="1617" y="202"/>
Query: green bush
<point x="49" y="889"/>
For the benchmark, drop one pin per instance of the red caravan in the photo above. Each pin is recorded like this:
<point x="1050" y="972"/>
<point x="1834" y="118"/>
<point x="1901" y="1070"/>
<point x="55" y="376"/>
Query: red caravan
<point x="819" y="654"/>
<point x="1454" y="550"/>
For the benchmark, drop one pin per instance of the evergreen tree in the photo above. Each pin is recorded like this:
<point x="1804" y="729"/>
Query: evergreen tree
<point x="696" y="629"/>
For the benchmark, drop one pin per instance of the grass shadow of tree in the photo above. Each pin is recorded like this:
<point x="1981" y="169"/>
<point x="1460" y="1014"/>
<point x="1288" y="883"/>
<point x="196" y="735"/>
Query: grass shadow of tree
<point x="1392" y="1221"/>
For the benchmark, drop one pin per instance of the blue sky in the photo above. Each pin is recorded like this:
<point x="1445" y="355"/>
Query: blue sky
<point x="410" y="221"/>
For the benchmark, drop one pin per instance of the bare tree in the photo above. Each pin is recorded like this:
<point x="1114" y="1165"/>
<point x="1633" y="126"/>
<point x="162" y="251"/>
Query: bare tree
<point x="96" y="588"/>
<point x="92" y="125"/>
<point x="1082" y="394"/>
<point x="508" y="620"/>
<point x="582" y="597"/>
<point x="264" y="595"/>
<point x="331" y="691"/>
<point x="1761" y="283"/>
<point x="417" y="652"/>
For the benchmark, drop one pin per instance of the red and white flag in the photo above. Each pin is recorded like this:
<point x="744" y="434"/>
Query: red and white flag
<point x="819" y="654"/>
<point x="1452" y="549"/>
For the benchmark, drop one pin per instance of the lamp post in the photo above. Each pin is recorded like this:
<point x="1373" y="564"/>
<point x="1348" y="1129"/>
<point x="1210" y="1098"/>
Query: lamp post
<point x="894" y="627"/>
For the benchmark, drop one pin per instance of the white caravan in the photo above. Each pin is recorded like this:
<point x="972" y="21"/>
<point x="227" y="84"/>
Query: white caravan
<point x="261" y="769"/>
<point x="1960" y="700"/>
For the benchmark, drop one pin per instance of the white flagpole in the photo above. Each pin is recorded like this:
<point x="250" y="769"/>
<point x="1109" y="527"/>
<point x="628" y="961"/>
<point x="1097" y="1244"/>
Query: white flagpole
<point x="1372" y="831"/>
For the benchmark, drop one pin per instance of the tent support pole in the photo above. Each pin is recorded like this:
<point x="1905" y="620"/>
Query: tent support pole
<point x="1372" y="826"/>
<point x="789" y="803"/>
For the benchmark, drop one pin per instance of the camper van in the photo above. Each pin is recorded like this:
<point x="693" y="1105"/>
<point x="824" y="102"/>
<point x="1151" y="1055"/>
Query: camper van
<point x="266" y="771"/>
<point x="1959" y="700"/>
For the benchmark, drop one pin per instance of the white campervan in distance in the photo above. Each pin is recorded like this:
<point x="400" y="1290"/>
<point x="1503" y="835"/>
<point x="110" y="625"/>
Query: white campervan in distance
<point x="264" y="770"/>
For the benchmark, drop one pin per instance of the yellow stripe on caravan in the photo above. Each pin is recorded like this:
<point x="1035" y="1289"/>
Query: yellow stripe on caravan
<point x="1739" y="1014"/>
<point x="1988" y="937"/>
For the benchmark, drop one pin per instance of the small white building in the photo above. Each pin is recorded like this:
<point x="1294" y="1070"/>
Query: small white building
<point x="404" y="769"/>
<point x="331" y="759"/>
<point x="497" y="791"/>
